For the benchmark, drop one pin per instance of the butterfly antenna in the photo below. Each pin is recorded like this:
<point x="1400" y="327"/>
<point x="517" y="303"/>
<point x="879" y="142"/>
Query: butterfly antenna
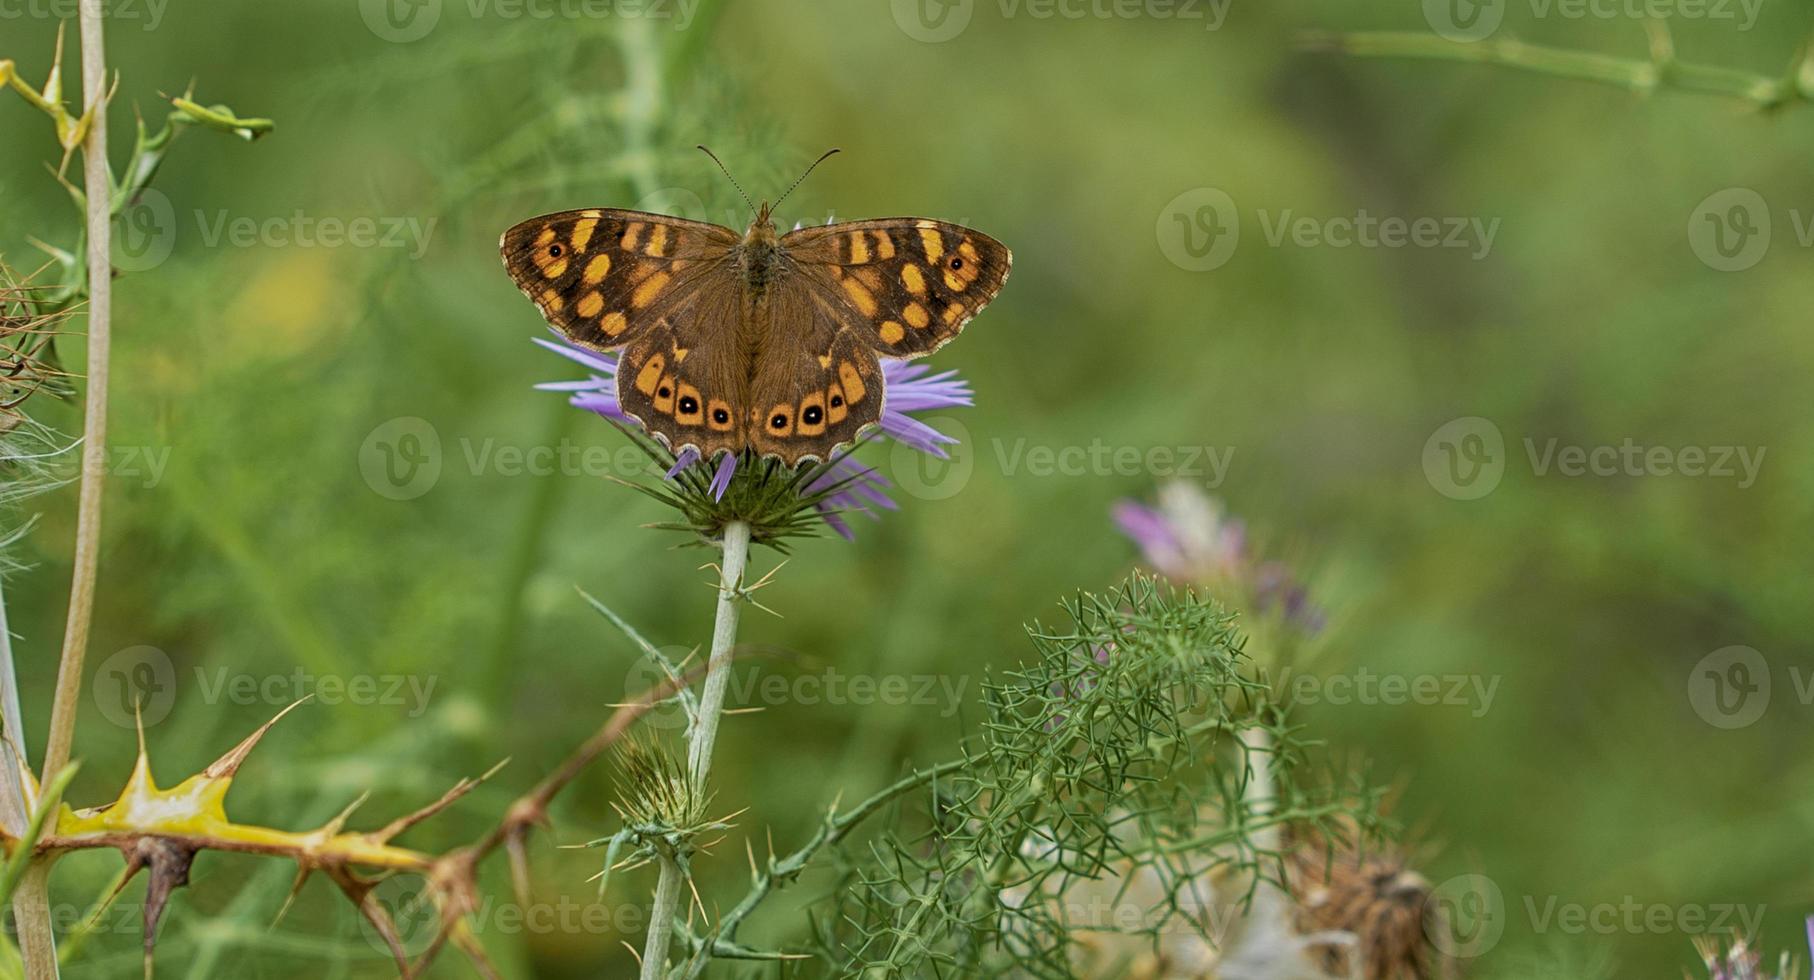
<point x="727" y="174"/>
<point x="790" y="189"/>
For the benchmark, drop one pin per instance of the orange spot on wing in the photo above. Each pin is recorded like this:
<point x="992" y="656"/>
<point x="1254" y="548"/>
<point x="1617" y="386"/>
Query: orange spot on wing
<point x="812" y="406"/>
<point x="932" y="243"/>
<point x="582" y="233"/>
<point x="892" y="332"/>
<point x="590" y="304"/>
<point x="916" y="315"/>
<point x="913" y="279"/>
<point x="713" y="410"/>
<point x="597" y="269"/>
<point x="613" y="323"/>
<point x="884" y="245"/>
<point x="648" y="290"/>
<point x="683" y="416"/>
<point x="859" y="248"/>
<point x="852" y="380"/>
<point x="864" y="299"/>
<point x="650" y="375"/>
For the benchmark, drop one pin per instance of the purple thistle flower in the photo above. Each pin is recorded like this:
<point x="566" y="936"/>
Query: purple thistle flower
<point x="910" y="386"/>
<point x="1189" y="538"/>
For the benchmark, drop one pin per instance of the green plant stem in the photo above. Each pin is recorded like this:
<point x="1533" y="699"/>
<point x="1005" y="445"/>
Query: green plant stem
<point x="724" y="637"/>
<point x="1661" y="71"/>
<point x="98" y="187"/>
<point x="701" y="735"/>
<point x="15" y="806"/>
<point x="37" y="941"/>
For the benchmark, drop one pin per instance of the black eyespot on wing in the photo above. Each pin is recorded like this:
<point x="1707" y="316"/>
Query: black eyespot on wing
<point x="720" y="416"/>
<point x="837" y="401"/>
<point x="779" y="421"/>
<point x="688" y="405"/>
<point x="813" y="415"/>
<point x="663" y="392"/>
<point x="555" y="250"/>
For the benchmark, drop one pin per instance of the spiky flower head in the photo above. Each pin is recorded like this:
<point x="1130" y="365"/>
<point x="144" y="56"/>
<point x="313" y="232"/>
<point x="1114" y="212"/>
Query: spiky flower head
<point x="777" y="501"/>
<point x="654" y="790"/>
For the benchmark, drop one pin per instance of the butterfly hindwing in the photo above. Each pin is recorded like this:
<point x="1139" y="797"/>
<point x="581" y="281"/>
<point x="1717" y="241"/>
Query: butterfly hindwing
<point x="684" y="377"/>
<point x="910" y="284"/>
<point x="602" y="275"/>
<point x="819" y="385"/>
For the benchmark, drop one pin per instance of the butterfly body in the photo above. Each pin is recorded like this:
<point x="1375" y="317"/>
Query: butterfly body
<point x="758" y="341"/>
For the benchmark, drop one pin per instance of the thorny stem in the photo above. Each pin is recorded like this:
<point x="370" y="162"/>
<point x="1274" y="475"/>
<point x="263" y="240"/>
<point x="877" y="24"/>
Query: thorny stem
<point x="701" y="735"/>
<point x="37" y="941"/>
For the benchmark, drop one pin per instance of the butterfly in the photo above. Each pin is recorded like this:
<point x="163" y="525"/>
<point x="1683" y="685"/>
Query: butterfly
<point x="761" y="341"/>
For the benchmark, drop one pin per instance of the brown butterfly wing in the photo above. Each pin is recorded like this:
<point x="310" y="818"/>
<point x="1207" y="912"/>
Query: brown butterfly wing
<point x="817" y="383"/>
<point x="602" y="276"/>
<point x="909" y="284"/>
<point x="684" y="377"/>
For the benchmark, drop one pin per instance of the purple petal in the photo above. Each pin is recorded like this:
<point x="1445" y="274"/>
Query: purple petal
<point x="721" y="480"/>
<point x="604" y="363"/>
<point x="687" y="457"/>
<point x="1146" y="526"/>
<point x="604" y="403"/>
<point x="915" y="433"/>
<point x="836" y="523"/>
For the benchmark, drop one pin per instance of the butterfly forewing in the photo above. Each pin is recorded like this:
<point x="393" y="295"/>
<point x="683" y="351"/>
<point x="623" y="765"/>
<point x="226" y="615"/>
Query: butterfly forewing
<point x="909" y="284"/>
<point x="602" y="276"/>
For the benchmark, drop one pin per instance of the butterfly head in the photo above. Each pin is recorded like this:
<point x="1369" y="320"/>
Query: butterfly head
<point x="762" y="228"/>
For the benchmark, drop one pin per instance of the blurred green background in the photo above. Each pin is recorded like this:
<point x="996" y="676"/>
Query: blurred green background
<point x="263" y="372"/>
